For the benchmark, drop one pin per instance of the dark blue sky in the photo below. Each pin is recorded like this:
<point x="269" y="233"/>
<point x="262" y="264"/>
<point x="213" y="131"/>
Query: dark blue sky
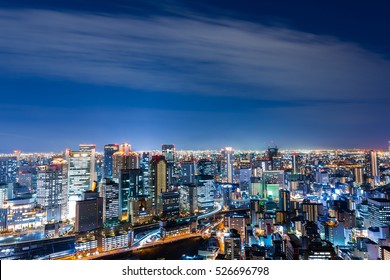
<point x="199" y="74"/>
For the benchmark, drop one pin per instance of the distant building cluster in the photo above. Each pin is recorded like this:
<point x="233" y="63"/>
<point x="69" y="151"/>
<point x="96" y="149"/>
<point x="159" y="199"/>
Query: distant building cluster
<point x="273" y="204"/>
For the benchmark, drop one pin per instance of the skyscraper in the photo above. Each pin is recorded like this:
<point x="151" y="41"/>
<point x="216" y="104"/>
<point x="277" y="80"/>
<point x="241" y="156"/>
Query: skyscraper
<point x="284" y="200"/>
<point x="294" y="162"/>
<point x="232" y="246"/>
<point x="312" y="210"/>
<point x="81" y="174"/>
<point x="8" y="170"/>
<point x="158" y="177"/>
<point x="273" y="156"/>
<point x="358" y="175"/>
<point x="379" y="212"/>
<point x="168" y="150"/>
<point x="125" y="158"/>
<point x="227" y="165"/>
<point x="254" y="211"/>
<point x="374" y="165"/>
<point x="63" y="165"/>
<point x="109" y="151"/>
<point x="188" y="172"/>
<point x="110" y="200"/>
<point x="145" y="167"/>
<point x="205" y="191"/>
<point x="130" y="186"/>
<point x="89" y="212"/>
<point x="49" y="191"/>
<point x="205" y="167"/>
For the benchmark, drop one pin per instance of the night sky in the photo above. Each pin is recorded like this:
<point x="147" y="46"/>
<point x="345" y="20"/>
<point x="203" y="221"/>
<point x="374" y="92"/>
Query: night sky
<point x="199" y="74"/>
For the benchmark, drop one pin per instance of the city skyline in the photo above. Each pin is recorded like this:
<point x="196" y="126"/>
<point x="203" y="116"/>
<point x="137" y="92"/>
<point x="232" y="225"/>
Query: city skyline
<point x="201" y="75"/>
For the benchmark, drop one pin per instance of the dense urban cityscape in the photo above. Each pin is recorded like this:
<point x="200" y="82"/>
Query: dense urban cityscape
<point x="141" y="130"/>
<point x="206" y="205"/>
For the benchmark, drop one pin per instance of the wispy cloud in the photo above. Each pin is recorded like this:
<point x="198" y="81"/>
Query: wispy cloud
<point x="192" y="55"/>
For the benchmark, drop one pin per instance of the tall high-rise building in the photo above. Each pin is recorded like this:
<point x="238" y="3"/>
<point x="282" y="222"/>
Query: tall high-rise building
<point x="109" y="151"/>
<point x="8" y="170"/>
<point x="232" y="246"/>
<point x="358" y="173"/>
<point x="274" y="157"/>
<point x="3" y="194"/>
<point x="110" y="200"/>
<point x="89" y="212"/>
<point x="158" y="178"/>
<point x="63" y="165"/>
<point x="168" y="150"/>
<point x="188" y="172"/>
<point x="193" y="198"/>
<point x="170" y="204"/>
<point x="294" y="162"/>
<point x="130" y="186"/>
<point x="125" y="158"/>
<point x="205" y="167"/>
<point x="145" y="167"/>
<point x="49" y="191"/>
<point x="81" y="174"/>
<point x="254" y="211"/>
<point x="373" y="165"/>
<point x="227" y="165"/>
<point x="379" y="212"/>
<point x="284" y="200"/>
<point x="312" y="210"/>
<point x="205" y="189"/>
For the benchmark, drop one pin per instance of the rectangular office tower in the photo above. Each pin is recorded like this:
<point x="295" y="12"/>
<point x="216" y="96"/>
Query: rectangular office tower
<point x="130" y="186"/>
<point x="168" y="151"/>
<point x="227" y="165"/>
<point x="109" y="151"/>
<point x="50" y="191"/>
<point x="379" y="212"/>
<point x="158" y="178"/>
<point x="89" y="212"/>
<point x="111" y="200"/>
<point x="8" y="170"/>
<point x="188" y="172"/>
<point x="81" y="174"/>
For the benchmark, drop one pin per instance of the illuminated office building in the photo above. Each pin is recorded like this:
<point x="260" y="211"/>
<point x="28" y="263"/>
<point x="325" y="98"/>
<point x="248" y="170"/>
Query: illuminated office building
<point x="170" y="204"/>
<point x="168" y="151"/>
<point x="312" y="210"/>
<point x="49" y="191"/>
<point x="284" y="200"/>
<point x="193" y="198"/>
<point x="358" y="175"/>
<point x="379" y="212"/>
<point x="187" y="172"/>
<point x="110" y="200"/>
<point x="89" y="212"/>
<point x="205" y="167"/>
<point x="232" y="242"/>
<point x="205" y="189"/>
<point x="81" y="174"/>
<point x="145" y="167"/>
<point x="130" y="185"/>
<point x="109" y="151"/>
<point x="374" y="173"/>
<point x="125" y="158"/>
<point x="158" y="178"/>
<point x="140" y="210"/>
<point x="274" y="157"/>
<point x="8" y="170"/>
<point x="227" y="166"/>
